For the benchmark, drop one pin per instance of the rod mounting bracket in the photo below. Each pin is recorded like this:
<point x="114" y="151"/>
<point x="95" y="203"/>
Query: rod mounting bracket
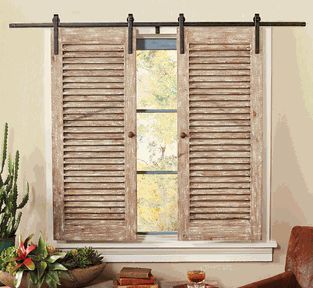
<point x="257" y="20"/>
<point x="130" y="24"/>
<point x="56" y="23"/>
<point x="181" y="24"/>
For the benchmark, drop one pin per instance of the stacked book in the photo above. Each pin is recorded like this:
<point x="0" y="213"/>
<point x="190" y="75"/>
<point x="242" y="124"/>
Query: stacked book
<point x="132" y="277"/>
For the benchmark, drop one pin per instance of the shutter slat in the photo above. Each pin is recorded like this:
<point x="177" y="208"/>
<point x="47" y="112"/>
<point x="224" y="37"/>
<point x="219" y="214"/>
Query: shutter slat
<point x="94" y="79"/>
<point x="94" y="117"/>
<point x="94" y="217"/>
<point x="94" y="167"/>
<point x="216" y="73"/>
<point x="84" y="210"/>
<point x="92" y="54"/>
<point x="95" y="187"/>
<point x="95" y="91"/>
<point x="95" y="192"/>
<point x="93" y="60"/>
<point x="90" y="198"/>
<point x="93" y="173"/>
<point x="106" y="123"/>
<point x="219" y="78"/>
<point x="95" y="73"/>
<point x="87" y="47"/>
<point x="220" y="123"/>
<point x="226" y="198"/>
<point x="218" y="104"/>
<point x="210" y="173"/>
<point x="84" y="186"/>
<point x="217" y="110"/>
<point x="219" y="167"/>
<point x="219" y="60"/>
<point x="222" y="191"/>
<point x="93" y="85"/>
<point x="215" y="54"/>
<point x="206" y="219"/>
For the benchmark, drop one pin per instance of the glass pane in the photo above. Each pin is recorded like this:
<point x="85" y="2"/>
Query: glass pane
<point x="157" y="141"/>
<point x="157" y="203"/>
<point x="156" y="79"/>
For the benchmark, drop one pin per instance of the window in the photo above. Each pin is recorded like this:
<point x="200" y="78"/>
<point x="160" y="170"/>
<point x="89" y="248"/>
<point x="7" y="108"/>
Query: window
<point x="100" y="194"/>
<point x="157" y="136"/>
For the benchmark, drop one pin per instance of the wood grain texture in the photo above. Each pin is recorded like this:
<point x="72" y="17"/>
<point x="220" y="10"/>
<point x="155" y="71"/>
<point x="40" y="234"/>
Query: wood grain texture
<point x="94" y="172"/>
<point x="220" y="162"/>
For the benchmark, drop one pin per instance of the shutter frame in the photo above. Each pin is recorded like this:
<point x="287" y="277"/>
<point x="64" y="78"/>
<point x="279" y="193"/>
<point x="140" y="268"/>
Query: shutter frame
<point x="96" y="229"/>
<point x="228" y="229"/>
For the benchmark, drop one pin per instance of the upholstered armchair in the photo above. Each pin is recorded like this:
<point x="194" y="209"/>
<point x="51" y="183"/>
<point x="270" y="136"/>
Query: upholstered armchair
<point x="299" y="263"/>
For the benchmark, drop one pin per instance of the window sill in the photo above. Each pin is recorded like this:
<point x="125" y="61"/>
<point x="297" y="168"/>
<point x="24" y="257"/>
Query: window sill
<point x="168" y="249"/>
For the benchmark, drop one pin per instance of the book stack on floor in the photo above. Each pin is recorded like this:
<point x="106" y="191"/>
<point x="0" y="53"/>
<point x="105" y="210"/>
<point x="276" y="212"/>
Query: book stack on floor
<point x="131" y="277"/>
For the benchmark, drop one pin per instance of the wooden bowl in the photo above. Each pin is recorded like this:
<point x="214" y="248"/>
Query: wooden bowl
<point x="77" y="278"/>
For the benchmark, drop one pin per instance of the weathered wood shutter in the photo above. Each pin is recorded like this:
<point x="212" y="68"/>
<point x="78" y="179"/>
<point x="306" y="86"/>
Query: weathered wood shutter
<point x="94" y="150"/>
<point x="220" y="127"/>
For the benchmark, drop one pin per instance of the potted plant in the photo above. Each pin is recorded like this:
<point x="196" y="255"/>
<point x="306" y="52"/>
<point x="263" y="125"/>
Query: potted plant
<point x="41" y="265"/>
<point x="9" y="216"/>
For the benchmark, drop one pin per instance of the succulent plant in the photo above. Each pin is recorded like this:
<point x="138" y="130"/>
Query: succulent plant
<point x="10" y="217"/>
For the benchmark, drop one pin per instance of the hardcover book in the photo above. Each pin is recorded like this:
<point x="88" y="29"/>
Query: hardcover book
<point x="134" y="272"/>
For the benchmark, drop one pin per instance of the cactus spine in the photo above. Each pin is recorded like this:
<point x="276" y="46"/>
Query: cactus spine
<point x="10" y="217"/>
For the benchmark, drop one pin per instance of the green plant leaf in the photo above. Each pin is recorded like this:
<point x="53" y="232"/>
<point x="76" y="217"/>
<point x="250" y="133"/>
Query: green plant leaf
<point x="18" y="278"/>
<point x="57" y="267"/>
<point x="42" y="248"/>
<point x="25" y="199"/>
<point x="52" y="279"/>
<point x="5" y="146"/>
<point x="41" y="268"/>
<point x="33" y="278"/>
<point x="53" y="258"/>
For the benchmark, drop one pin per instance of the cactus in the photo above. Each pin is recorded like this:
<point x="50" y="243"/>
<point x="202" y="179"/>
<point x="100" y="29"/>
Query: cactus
<point x="10" y="217"/>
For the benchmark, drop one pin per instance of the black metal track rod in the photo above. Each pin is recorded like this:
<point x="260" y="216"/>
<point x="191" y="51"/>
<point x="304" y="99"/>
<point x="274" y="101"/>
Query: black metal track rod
<point x="155" y="24"/>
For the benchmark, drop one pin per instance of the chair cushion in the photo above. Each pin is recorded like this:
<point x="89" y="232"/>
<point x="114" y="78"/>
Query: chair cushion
<point x="300" y="255"/>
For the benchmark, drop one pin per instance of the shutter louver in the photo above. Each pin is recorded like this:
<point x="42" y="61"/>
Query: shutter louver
<point x="94" y="170"/>
<point x="220" y="109"/>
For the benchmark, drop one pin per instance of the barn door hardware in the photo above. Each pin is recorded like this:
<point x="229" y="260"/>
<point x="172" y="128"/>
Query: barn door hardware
<point x="56" y="23"/>
<point x="181" y="22"/>
<point x="130" y="23"/>
<point x="256" y="21"/>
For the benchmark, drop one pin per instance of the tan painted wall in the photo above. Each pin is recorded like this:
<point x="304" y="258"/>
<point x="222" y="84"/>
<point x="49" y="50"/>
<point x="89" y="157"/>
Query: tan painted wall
<point x="23" y="84"/>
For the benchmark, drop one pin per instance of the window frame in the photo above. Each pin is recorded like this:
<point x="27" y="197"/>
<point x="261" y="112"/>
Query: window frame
<point x="166" y="248"/>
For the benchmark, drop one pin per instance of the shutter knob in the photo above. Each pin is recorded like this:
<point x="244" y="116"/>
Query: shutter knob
<point x="183" y="135"/>
<point x="131" y="134"/>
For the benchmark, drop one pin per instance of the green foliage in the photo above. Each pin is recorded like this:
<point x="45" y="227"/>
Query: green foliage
<point x="9" y="216"/>
<point x="41" y="262"/>
<point x="7" y="262"/>
<point x="81" y="258"/>
<point x="48" y="266"/>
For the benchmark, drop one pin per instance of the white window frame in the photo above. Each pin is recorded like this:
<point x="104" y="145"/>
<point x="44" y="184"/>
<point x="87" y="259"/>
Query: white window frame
<point x="166" y="248"/>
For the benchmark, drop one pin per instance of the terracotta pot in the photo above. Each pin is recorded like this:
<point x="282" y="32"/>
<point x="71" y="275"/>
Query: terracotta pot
<point x="77" y="277"/>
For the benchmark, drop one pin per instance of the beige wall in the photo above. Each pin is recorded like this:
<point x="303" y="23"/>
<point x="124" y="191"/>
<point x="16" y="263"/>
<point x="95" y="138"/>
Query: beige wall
<point x="23" y="86"/>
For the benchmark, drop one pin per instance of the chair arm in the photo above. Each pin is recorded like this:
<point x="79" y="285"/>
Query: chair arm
<point x="283" y="280"/>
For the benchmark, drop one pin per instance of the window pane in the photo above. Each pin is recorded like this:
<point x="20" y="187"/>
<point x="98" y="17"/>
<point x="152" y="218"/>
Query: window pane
<point x="157" y="141"/>
<point x="156" y="79"/>
<point x="157" y="203"/>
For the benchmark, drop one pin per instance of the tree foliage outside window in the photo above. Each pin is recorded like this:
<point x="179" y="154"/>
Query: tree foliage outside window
<point x="157" y="140"/>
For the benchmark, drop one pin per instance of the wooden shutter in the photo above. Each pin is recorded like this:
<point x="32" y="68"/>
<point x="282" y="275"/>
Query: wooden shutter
<point x="220" y="110"/>
<point x="94" y="159"/>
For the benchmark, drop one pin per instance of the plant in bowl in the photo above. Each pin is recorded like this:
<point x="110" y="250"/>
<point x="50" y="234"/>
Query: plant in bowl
<point x="34" y="265"/>
<point x="9" y="216"/>
<point x="41" y="265"/>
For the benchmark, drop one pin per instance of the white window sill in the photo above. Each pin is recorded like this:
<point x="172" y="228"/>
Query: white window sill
<point x="168" y="249"/>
